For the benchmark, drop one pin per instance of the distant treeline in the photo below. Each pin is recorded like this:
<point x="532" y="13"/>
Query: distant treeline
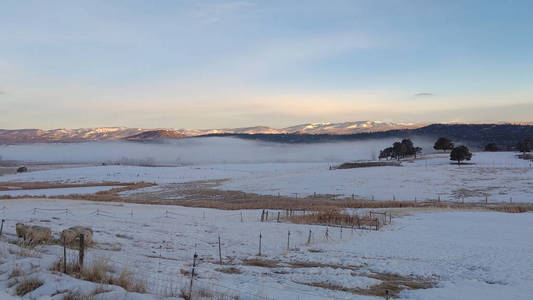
<point x="506" y="136"/>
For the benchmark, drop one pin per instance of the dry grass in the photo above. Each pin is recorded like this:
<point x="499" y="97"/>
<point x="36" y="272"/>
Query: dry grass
<point x="264" y="263"/>
<point x="100" y="271"/>
<point x="513" y="208"/>
<point x="390" y="286"/>
<point x="127" y="281"/>
<point x="332" y="217"/>
<point x="28" y="285"/>
<point x="202" y="292"/>
<point x="16" y="272"/>
<point x="21" y="252"/>
<point x="369" y="164"/>
<point x="6" y="186"/>
<point x="230" y="270"/>
<point x="109" y="195"/>
<point x="78" y="295"/>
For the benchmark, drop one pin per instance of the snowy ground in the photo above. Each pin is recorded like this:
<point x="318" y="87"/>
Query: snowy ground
<point x="501" y="177"/>
<point x="469" y="255"/>
<point x="56" y="191"/>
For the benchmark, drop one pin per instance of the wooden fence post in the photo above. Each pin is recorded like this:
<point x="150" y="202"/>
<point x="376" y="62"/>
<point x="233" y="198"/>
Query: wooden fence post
<point x="260" y="237"/>
<point x="219" y="251"/>
<point x="266" y="216"/>
<point x="263" y="215"/>
<point x="242" y="220"/>
<point x="309" y="238"/>
<point x="288" y="239"/>
<point x="82" y="250"/>
<point x="64" y="254"/>
<point x="2" y="227"/>
<point x="192" y="274"/>
<point x="278" y="216"/>
<point x="327" y="233"/>
<point x="341" y="232"/>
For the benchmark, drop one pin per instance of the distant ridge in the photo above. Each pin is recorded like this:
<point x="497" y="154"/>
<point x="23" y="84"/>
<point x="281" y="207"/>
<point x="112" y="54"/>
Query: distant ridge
<point x="506" y="135"/>
<point x="21" y="136"/>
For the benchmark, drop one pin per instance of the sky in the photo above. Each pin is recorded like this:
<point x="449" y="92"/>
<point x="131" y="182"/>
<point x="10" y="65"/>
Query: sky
<point x="223" y="64"/>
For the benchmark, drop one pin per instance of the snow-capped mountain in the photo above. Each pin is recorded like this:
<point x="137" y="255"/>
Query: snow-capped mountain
<point x="66" y="135"/>
<point x="18" y="136"/>
<point x="348" y="127"/>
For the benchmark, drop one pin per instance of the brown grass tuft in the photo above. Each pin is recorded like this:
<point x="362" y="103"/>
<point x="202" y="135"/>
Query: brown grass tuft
<point x="28" y="285"/>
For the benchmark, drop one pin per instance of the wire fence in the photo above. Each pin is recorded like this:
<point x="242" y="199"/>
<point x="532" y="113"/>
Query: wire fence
<point x="173" y="279"/>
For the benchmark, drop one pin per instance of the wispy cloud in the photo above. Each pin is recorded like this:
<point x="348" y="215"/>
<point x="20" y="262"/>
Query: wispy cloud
<point x="423" y="95"/>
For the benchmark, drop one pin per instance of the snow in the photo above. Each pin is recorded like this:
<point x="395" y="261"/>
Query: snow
<point x="57" y="191"/>
<point x="499" y="177"/>
<point x="470" y="254"/>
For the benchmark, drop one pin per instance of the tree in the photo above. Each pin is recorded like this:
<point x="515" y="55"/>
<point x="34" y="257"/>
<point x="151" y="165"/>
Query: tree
<point x="400" y="150"/>
<point x="492" y="147"/>
<point x="443" y="144"/>
<point x="460" y="153"/>
<point x="524" y="146"/>
<point x="385" y="153"/>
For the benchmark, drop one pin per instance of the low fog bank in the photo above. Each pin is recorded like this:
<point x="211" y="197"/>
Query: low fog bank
<point x="207" y="150"/>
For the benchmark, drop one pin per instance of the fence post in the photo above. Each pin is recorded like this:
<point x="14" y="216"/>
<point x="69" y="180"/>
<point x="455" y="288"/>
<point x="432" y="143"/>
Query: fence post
<point x="377" y="224"/>
<point x="341" y="232"/>
<point x="288" y="239"/>
<point x="309" y="238"/>
<point x="266" y="216"/>
<point x="242" y="220"/>
<point x="327" y="233"/>
<point x="278" y="216"/>
<point x="64" y="254"/>
<point x="260" y="237"/>
<point x="219" y="251"/>
<point x="2" y="227"/>
<point x="192" y="274"/>
<point x="486" y="199"/>
<point x="263" y="215"/>
<point x="82" y="250"/>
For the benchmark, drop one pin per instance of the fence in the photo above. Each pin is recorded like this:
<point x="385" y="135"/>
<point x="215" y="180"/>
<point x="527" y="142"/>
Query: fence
<point x="169" y="279"/>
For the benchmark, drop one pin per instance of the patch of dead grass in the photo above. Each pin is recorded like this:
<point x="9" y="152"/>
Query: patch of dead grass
<point x="28" y="284"/>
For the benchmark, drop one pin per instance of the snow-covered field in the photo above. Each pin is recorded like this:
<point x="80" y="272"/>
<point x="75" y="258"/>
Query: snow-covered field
<point x="453" y="254"/>
<point x="468" y="255"/>
<point x="501" y="177"/>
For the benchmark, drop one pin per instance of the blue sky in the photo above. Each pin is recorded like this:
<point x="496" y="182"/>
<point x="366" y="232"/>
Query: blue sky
<point x="213" y="64"/>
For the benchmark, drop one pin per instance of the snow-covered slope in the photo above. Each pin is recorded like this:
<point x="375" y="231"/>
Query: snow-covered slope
<point x="66" y="135"/>
<point x="348" y="127"/>
<point x="115" y="133"/>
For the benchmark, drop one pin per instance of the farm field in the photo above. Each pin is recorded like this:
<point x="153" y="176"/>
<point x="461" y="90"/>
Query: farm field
<point x="437" y="254"/>
<point x="492" y="177"/>
<point x="145" y="239"/>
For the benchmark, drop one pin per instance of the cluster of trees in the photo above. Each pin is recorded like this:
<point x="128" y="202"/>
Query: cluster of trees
<point x="400" y="150"/>
<point x="443" y="144"/>
<point x="459" y="154"/>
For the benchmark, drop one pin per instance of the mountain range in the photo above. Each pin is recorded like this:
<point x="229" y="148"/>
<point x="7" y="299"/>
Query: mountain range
<point x="20" y="136"/>
<point x="505" y="135"/>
